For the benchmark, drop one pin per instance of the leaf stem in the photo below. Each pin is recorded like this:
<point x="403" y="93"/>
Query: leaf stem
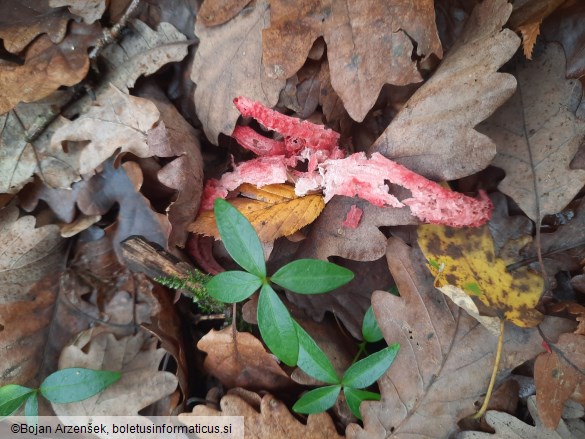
<point x="488" y="395"/>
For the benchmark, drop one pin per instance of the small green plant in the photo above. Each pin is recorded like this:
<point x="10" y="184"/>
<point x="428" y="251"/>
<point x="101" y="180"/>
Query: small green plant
<point x="282" y="335"/>
<point x="195" y="283"/>
<point x="62" y="387"/>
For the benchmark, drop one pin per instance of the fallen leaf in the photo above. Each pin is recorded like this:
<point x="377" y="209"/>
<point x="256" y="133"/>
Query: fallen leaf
<point x="23" y="21"/>
<point x="360" y="65"/>
<point x="467" y="270"/>
<point x="445" y="358"/>
<point x="136" y="356"/>
<point x="27" y="254"/>
<point x="504" y="227"/>
<point x="433" y="135"/>
<point x="228" y="64"/>
<point x="510" y="427"/>
<point x="214" y="12"/>
<point x="566" y="27"/>
<point x="558" y="375"/>
<point x="115" y="120"/>
<point x="243" y="363"/>
<point x="177" y="138"/>
<point x="89" y="10"/>
<point x="272" y="215"/>
<point x="270" y="420"/>
<point x="538" y="135"/>
<point x="47" y="67"/>
<point x="121" y="186"/>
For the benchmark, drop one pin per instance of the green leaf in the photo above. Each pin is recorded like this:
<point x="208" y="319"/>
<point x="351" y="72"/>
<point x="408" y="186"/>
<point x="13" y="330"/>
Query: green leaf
<point x="239" y="238"/>
<point x="233" y="286"/>
<point x="312" y="360"/>
<point x="277" y="326"/>
<point x="354" y="398"/>
<point x="318" y="400"/>
<point x="12" y="396"/>
<point x="365" y="372"/>
<point x="76" y="384"/>
<point x="31" y="409"/>
<point x="311" y="276"/>
<point x="370" y="329"/>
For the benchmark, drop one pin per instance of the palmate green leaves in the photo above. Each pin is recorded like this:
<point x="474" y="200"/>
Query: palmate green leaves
<point x="311" y="276"/>
<point x="277" y="326"/>
<point x="233" y="286"/>
<point x="76" y="384"/>
<point x="365" y="372"/>
<point x="239" y="238"/>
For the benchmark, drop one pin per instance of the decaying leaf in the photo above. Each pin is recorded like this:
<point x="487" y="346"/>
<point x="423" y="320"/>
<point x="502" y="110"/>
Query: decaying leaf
<point x="243" y="363"/>
<point x="228" y="63"/>
<point x="47" y="67"/>
<point x="273" y="210"/>
<point x="505" y="227"/>
<point x="360" y="65"/>
<point x="136" y="356"/>
<point x="538" y="135"/>
<point x="22" y="21"/>
<point x="271" y="419"/>
<point x="434" y="133"/>
<point x="527" y="19"/>
<point x="445" y="357"/>
<point x="89" y="10"/>
<point x="510" y="427"/>
<point x="115" y="120"/>
<point x="214" y="12"/>
<point x="467" y="270"/>
<point x="559" y="375"/>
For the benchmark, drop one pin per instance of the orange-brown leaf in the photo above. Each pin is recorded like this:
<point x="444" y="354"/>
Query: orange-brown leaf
<point x="273" y="210"/>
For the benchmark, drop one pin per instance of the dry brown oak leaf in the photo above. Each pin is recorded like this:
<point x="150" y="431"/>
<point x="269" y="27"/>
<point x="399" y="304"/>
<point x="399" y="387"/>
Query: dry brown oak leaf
<point x="22" y="21"/>
<point x="433" y="135"/>
<point x="47" y="66"/>
<point x="214" y="12"/>
<point x="369" y="44"/>
<point x="174" y="137"/>
<point x="509" y="427"/>
<point x="228" y="64"/>
<point x="136" y="356"/>
<point x="270" y="420"/>
<point x="445" y="359"/>
<point x="245" y="363"/>
<point x="89" y="10"/>
<point x="538" y="135"/>
<point x="115" y="120"/>
<point x="560" y="375"/>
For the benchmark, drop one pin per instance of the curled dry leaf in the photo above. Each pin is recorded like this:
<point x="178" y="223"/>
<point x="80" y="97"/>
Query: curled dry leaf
<point x="136" y="356"/>
<point x="22" y="21"/>
<point x="47" y="66"/>
<point x="270" y="420"/>
<point x="243" y="362"/>
<point x="89" y="10"/>
<point x="228" y="63"/>
<point x="115" y="120"/>
<point x="560" y="375"/>
<point x="445" y="357"/>
<point x="360" y="65"/>
<point x="434" y="133"/>
<point x="273" y="210"/>
<point x="538" y="135"/>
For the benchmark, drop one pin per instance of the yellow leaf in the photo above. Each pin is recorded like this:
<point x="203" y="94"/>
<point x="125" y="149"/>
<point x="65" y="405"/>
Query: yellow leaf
<point x="273" y="210"/>
<point x="468" y="271"/>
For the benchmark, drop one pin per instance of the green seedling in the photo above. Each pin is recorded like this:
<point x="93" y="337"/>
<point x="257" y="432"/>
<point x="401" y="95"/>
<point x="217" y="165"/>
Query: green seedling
<point x="61" y="387"/>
